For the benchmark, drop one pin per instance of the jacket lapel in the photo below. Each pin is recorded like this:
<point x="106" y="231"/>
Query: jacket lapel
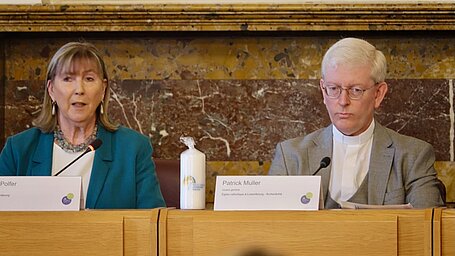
<point x="100" y="169"/>
<point x="381" y="160"/>
<point x="323" y="148"/>
<point x="42" y="159"/>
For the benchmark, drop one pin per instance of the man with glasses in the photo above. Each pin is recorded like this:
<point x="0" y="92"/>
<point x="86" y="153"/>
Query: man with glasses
<point x="370" y="164"/>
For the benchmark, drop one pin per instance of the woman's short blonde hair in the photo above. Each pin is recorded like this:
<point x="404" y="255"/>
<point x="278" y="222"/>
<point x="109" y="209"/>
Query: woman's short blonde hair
<point x="63" y="59"/>
<point x="356" y="52"/>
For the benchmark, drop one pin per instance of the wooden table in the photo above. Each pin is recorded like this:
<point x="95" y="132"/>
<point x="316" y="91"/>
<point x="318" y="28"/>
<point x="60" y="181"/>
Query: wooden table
<point x="326" y="232"/>
<point x="91" y="232"/>
<point x="171" y="232"/>
<point x="444" y="232"/>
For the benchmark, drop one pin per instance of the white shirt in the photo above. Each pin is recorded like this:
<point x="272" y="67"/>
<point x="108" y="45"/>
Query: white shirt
<point x="82" y="167"/>
<point x="350" y="162"/>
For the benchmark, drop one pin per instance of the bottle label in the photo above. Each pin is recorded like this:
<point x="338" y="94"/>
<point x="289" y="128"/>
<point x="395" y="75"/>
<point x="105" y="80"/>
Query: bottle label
<point x="190" y="183"/>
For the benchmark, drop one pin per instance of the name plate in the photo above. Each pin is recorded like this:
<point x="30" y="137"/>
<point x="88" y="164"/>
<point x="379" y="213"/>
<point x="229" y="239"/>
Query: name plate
<point x="267" y="193"/>
<point x="39" y="193"/>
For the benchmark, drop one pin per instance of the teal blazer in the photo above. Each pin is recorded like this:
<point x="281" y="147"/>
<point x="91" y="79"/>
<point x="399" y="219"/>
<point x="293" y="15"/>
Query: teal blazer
<point x="123" y="174"/>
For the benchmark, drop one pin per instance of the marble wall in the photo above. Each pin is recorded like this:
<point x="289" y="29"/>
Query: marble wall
<point x="237" y="77"/>
<point x="239" y="94"/>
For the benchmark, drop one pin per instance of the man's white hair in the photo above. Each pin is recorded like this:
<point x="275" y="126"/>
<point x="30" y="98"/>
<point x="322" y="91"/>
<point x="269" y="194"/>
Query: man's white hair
<point x="356" y="52"/>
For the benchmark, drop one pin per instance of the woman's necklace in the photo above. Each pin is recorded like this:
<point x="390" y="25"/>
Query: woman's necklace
<point x="70" y="148"/>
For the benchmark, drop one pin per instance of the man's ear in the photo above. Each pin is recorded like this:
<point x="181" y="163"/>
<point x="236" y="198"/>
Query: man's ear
<point x="321" y="86"/>
<point x="380" y="94"/>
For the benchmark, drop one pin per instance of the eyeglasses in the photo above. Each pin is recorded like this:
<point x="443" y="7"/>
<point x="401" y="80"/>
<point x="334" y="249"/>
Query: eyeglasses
<point x="354" y="93"/>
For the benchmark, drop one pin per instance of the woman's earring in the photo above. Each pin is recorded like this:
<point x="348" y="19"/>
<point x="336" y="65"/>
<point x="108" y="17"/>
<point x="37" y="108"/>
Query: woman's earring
<point x="101" y="108"/>
<point x="53" y="107"/>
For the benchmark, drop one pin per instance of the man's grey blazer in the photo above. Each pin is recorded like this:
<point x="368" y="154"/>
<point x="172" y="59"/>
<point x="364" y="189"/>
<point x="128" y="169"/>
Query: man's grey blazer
<point x="401" y="167"/>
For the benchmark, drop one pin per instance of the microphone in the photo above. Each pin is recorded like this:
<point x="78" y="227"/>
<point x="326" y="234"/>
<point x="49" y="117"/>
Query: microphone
<point x="324" y="163"/>
<point x="92" y="147"/>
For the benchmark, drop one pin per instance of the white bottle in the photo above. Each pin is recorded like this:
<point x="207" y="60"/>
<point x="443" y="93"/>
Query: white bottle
<point x="192" y="176"/>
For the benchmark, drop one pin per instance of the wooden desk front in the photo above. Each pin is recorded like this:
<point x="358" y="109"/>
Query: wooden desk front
<point x="448" y="232"/>
<point x="327" y="232"/>
<point x="91" y="232"/>
<point x="444" y="232"/>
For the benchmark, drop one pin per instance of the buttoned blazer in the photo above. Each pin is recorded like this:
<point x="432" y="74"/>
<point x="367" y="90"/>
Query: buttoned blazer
<point x="123" y="173"/>
<point x="401" y="167"/>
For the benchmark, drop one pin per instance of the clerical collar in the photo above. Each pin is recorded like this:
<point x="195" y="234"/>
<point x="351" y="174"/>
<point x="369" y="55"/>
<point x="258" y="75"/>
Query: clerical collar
<point x="354" y="140"/>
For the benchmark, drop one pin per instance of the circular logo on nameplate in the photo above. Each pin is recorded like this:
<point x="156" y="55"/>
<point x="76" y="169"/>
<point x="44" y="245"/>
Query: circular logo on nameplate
<point x="66" y="200"/>
<point x="305" y="199"/>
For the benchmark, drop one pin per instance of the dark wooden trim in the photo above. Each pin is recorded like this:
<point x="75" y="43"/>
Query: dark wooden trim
<point x="237" y="17"/>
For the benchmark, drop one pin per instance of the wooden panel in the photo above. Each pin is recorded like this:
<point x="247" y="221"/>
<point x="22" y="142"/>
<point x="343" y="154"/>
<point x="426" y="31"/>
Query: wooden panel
<point x="141" y="234"/>
<point x="414" y="232"/>
<point x="448" y="232"/>
<point x="329" y="232"/>
<point x="162" y="232"/>
<point x="78" y="233"/>
<point x="347" y="232"/>
<point x="437" y="213"/>
<point x="227" y="17"/>
<point x="446" y="173"/>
